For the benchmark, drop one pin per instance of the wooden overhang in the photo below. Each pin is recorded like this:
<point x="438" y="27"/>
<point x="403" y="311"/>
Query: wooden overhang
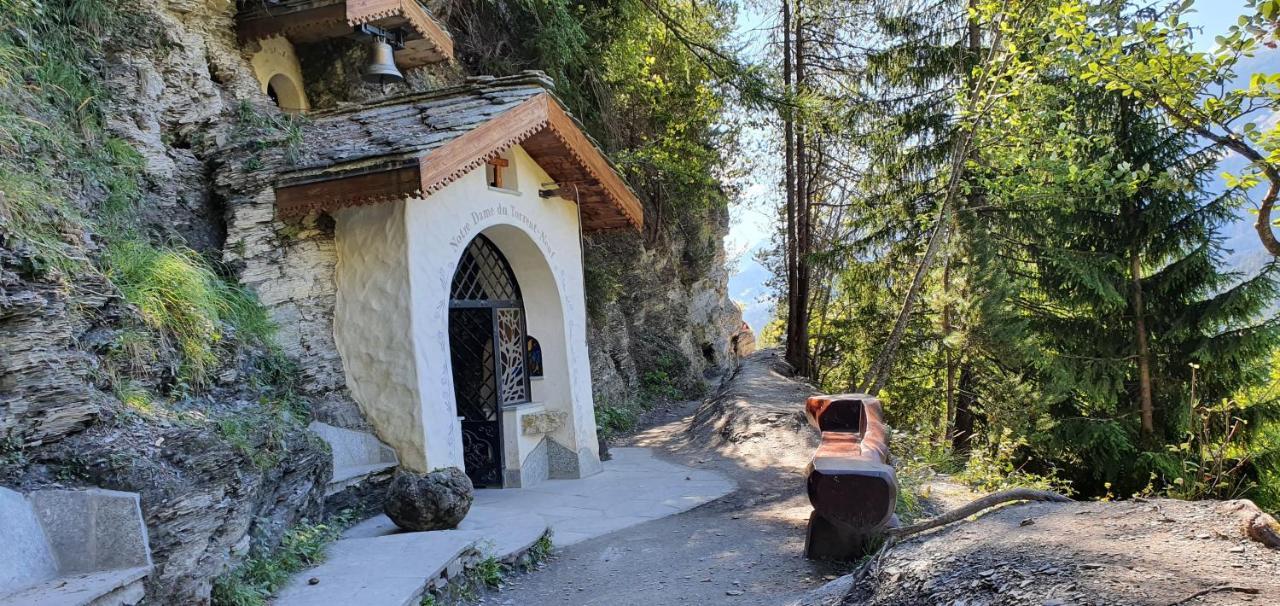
<point x="415" y="145"/>
<point x="307" y="21"/>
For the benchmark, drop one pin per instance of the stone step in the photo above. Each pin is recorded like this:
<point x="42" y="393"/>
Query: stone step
<point x="377" y="564"/>
<point x="356" y="455"/>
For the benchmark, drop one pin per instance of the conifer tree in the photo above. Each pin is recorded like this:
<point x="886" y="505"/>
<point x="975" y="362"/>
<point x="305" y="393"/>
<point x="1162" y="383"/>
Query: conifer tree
<point x="1106" y="239"/>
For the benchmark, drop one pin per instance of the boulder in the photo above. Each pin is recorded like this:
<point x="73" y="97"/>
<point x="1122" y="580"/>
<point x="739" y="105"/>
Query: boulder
<point x="432" y="501"/>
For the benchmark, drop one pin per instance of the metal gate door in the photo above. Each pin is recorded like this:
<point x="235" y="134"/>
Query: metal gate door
<point x="487" y="349"/>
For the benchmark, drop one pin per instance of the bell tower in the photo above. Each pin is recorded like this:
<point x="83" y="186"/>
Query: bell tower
<point x="393" y="37"/>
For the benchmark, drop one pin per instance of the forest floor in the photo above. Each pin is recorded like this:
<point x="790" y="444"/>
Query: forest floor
<point x="747" y="548"/>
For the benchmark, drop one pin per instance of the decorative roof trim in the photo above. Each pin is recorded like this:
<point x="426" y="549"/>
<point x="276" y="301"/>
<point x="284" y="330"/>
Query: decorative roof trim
<point x="335" y="19"/>
<point x="335" y="188"/>
<point x="317" y="195"/>
<point x="360" y="12"/>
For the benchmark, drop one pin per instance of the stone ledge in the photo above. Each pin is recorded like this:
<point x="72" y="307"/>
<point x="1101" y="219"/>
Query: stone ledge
<point x="539" y="423"/>
<point x="110" y="588"/>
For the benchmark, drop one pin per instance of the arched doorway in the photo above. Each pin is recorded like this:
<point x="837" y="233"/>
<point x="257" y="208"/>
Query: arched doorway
<point x="286" y="93"/>
<point x="487" y="350"/>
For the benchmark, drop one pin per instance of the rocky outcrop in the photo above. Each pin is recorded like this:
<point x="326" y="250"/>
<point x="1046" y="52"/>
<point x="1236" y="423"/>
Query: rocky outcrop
<point x="45" y="378"/>
<point x="430" y="501"/>
<point x="663" y="317"/>
<point x="205" y="501"/>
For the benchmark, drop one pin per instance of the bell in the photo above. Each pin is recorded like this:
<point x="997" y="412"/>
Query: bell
<point x="382" y="63"/>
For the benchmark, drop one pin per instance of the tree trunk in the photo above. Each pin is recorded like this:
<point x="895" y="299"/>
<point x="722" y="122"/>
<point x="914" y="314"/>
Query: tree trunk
<point x="950" y="357"/>
<point x="804" y="228"/>
<point x="1144" y="355"/>
<point x="966" y="419"/>
<point x="788" y="142"/>
<point x="1132" y="215"/>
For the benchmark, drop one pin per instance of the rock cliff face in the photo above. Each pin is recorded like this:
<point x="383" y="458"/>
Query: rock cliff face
<point x="219" y="472"/>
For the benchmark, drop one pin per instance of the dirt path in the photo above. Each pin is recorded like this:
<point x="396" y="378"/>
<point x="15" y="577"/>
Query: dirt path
<point x="1133" y="552"/>
<point x="744" y="549"/>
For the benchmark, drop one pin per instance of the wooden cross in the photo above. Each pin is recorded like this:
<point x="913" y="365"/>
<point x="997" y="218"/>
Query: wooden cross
<point x="498" y="165"/>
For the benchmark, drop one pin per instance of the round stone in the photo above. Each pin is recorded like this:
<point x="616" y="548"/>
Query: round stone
<point x="431" y="501"/>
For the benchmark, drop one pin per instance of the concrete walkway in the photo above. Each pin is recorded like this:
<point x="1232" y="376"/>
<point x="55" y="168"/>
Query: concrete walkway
<point x="376" y="564"/>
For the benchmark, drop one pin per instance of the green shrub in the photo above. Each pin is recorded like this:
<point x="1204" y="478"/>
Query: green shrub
<point x="179" y="296"/>
<point x="612" y="420"/>
<point x="260" y="576"/>
<point x="997" y="467"/>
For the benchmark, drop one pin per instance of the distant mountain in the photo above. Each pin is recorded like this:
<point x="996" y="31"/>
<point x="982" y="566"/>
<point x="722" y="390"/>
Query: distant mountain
<point x="749" y="288"/>
<point x="1245" y="251"/>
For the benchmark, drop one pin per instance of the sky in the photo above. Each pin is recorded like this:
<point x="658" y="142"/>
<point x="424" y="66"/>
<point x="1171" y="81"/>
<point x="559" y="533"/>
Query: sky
<point x="753" y="215"/>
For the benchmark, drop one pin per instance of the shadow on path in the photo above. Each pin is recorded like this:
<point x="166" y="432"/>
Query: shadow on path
<point x="745" y="548"/>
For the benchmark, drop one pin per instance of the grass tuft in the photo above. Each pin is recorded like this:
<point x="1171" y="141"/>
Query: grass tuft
<point x="260" y="576"/>
<point x="180" y="297"/>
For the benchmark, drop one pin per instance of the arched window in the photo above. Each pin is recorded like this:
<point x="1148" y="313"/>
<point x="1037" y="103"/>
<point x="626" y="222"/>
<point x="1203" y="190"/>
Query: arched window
<point x="533" y="351"/>
<point x="286" y="93"/>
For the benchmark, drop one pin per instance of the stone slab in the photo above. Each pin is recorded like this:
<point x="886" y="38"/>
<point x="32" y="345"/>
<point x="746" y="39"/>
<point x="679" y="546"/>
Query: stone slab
<point x="377" y="564"/>
<point x="635" y="487"/>
<point x="353" y="449"/>
<point x="26" y="558"/>
<point x="109" y="588"/>
<point x="390" y="570"/>
<point x="342" y="474"/>
<point x="497" y="531"/>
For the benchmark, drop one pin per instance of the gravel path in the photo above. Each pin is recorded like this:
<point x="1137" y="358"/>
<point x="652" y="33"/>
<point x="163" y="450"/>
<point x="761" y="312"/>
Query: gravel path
<point x="744" y="549"/>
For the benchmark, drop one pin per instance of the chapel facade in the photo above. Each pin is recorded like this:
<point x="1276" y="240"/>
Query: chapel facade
<point x="433" y="241"/>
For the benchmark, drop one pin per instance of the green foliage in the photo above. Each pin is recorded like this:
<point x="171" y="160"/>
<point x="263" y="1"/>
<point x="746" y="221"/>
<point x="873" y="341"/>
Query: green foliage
<point x="1087" y="189"/>
<point x="51" y="138"/>
<point x="999" y="465"/>
<point x="186" y="303"/>
<point x="613" y="420"/>
<point x="488" y="572"/>
<point x="261" y="575"/>
<point x="659" y="382"/>
<point x="541" y="550"/>
<point x="644" y="94"/>
<point x="264" y="130"/>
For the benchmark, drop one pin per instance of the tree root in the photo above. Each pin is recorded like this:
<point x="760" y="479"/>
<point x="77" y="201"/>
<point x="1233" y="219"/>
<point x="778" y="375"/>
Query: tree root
<point x="976" y="506"/>
<point x="1217" y="589"/>
<point x="1258" y="525"/>
<point x="895" y="535"/>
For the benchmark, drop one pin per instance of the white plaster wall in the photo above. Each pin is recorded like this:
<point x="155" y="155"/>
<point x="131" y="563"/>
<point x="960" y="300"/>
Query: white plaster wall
<point x="516" y="444"/>
<point x="373" y="326"/>
<point x="540" y="238"/>
<point x="276" y="57"/>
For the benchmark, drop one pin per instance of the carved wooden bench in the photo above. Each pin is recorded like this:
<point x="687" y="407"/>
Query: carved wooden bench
<point x="851" y="485"/>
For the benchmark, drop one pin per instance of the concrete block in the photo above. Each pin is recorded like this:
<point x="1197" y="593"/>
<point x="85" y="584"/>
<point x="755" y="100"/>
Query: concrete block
<point x="93" y="530"/>
<point x="353" y="448"/>
<point x="26" y="558"/>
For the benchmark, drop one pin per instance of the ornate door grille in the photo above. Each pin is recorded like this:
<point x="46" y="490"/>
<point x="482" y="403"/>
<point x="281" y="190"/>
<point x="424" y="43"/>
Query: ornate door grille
<point x="487" y="349"/>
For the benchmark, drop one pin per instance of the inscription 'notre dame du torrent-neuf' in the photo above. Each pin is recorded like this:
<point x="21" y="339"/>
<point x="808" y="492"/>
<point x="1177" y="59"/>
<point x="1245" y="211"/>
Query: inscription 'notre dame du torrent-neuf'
<point x="476" y="217"/>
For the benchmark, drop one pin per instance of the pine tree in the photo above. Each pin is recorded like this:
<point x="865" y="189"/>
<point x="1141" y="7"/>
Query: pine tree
<point x="1106" y="235"/>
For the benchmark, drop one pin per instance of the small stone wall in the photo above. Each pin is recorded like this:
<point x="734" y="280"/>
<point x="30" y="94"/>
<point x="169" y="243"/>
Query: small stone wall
<point x="72" y="546"/>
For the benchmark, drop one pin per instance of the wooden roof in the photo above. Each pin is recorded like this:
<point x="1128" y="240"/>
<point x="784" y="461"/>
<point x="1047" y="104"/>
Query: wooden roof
<point x="417" y="144"/>
<point x="304" y="21"/>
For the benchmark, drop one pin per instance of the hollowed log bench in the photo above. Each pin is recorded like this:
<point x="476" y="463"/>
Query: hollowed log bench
<point x="851" y="485"/>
